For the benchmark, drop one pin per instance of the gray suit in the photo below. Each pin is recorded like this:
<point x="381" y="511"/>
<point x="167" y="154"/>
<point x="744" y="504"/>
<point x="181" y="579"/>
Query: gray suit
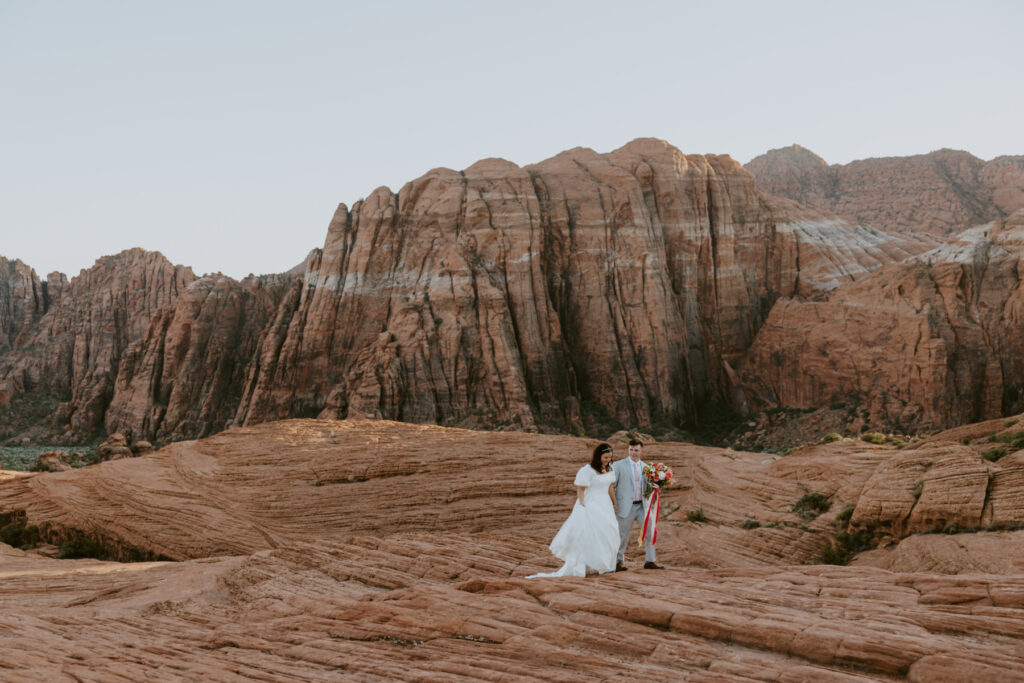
<point x="630" y="512"/>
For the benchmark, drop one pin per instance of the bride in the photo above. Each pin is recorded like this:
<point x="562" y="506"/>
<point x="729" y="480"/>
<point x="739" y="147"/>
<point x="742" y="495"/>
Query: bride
<point x="590" y="537"/>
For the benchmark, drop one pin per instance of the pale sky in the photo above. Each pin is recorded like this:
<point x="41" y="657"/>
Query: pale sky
<point x="224" y="134"/>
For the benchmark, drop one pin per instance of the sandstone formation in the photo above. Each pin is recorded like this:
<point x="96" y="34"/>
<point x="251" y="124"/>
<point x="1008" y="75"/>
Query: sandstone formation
<point x="935" y="341"/>
<point x="53" y="461"/>
<point x="378" y="550"/>
<point x="941" y="193"/>
<point x="587" y="291"/>
<point x="587" y="288"/>
<point x="24" y="298"/>
<point x="129" y="342"/>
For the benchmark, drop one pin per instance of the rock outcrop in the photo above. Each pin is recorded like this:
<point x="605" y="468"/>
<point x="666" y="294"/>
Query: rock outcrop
<point x="621" y="287"/>
<point x="139" y="345"/>
<point x="940" y="193"/>
<point x="926" y="344"/>
<point x="64" y="367"/>
<point x="24" y="298"/>
<point x="587" y="291"/>
<point x="316" y="549"/>
<point x="53" y="461"/>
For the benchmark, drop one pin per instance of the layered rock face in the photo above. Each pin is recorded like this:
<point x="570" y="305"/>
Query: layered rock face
<point x="624" y="285"/>
<point x="24" y="299"/>
<point x="68" y="360"/>
<point x="608" y="288"/>
<point x="935" y="341"/>
<point x="940" y="193"/>
<point x="317" y="549"/>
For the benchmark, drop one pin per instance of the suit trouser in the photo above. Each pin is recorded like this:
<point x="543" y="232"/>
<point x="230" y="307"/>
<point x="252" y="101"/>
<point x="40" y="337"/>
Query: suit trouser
<point x="634" y="515"/>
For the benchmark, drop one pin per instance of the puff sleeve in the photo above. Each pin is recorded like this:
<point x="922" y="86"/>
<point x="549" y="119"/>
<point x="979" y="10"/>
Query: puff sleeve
<point x="585" y="476"/>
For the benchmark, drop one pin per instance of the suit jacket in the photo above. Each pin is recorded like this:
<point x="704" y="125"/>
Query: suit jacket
<point x="625" y="490"/>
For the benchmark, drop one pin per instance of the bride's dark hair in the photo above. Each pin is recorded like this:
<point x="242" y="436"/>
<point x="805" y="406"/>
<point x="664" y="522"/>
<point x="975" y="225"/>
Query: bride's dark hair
<point x="595" y="461"/>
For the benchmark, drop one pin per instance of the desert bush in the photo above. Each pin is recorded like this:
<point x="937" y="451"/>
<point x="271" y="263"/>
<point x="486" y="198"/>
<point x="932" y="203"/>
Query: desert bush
<point x="811" y="505"/>
<point x="1016" y="440"/>
<point x="20" y="535"/>
<point x="844" y="516"/>
<point x="848" y="544"/>
<point x="994" y="454"/>
<point x="696" y="515"/>
<point x="874" y="437"/>
<point x="751" y="524"/>
<point x="831" y="437"/>
<point x="81" y="546"/>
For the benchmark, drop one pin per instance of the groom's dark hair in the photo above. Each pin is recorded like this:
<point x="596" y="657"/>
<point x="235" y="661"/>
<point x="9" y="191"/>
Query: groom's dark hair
<point x="636" y="442"/>
<point x="595" y="461"/>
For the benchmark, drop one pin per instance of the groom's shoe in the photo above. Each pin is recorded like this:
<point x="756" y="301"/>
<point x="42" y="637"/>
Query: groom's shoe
<point x="620" y="567"/>
<point x="652" y="565"/>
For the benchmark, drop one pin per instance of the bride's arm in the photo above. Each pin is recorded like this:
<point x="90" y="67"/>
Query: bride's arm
<point x="611" y="494"/>
<point x="580" y="490"/>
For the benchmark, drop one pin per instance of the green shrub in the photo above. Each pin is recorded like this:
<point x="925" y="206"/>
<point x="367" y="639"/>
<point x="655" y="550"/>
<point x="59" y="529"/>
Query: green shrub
<point x="832" y="436"/>
<point x="994" y="454"/>
<point x="81" y="546"/>
<point x="844" y="516"/>
<point x="848" y="544"/>
<point x="811" y="505"/>
<point x="1009" y="423"/>
<point x="918" y="488"/>
<point x="751" y="524"/>
<point x="874" y="437"/>
<point x="696" y="515"/>
<point x="1016" y="440"/>
<point x="20" y="536"/>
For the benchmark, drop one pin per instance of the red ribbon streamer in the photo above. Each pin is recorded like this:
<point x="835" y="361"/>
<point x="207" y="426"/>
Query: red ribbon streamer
<point x="653" y="503"/>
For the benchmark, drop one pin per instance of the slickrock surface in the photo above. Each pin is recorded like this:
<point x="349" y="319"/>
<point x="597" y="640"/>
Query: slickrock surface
<point x="941" y="193"/>
<point x="932" y="342"/>
<point x="370" y="550"/>
<point x="589" y="289"/>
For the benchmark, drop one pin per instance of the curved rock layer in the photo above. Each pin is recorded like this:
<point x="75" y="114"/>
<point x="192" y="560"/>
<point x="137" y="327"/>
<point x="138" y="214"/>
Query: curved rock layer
<point x="940" y="193"/>
<point x="932" y="342"/>
<point x="589" y="289"/>
<point x="378" y="550"/>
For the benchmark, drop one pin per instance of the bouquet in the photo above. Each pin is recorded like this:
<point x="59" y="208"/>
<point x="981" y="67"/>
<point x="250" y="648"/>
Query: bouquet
<point x="658" y="475"/>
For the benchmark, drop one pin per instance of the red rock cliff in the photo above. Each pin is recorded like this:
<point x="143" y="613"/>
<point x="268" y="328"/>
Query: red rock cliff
<point x="935" y="341"/>
<point x="940" y="193"/>
<point x="621" y="287"/>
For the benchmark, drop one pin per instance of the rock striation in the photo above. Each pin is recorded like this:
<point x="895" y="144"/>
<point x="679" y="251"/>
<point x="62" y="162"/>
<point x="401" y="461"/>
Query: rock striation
<point x="24" y="299"/>
<point x="621" y="287"/>
<point x="318" y="549"/>
<point x="941" y="193"/>
<point x="586" y="291"/>
<point x="935" y="341"/>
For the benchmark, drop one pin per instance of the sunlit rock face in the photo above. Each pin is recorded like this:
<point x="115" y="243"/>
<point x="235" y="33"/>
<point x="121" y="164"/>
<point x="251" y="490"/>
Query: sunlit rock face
<point x="623" y="284"/>
<point x="589" y="289"/>
<point x="934" y="341"/>
<point x="940" y="193"/>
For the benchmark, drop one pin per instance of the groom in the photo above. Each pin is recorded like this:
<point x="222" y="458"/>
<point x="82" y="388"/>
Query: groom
<point x="630" y="485"/>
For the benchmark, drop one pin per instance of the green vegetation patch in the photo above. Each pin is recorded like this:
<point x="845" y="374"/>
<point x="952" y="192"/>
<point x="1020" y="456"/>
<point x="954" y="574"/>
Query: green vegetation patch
<point x="811" y="505"/>
<point x="994" y="454"/>
<point x="696" y="515"/>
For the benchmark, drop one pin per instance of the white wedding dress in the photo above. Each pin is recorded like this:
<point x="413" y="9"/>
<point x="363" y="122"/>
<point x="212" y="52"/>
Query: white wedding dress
<point x="590" y="537"/>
